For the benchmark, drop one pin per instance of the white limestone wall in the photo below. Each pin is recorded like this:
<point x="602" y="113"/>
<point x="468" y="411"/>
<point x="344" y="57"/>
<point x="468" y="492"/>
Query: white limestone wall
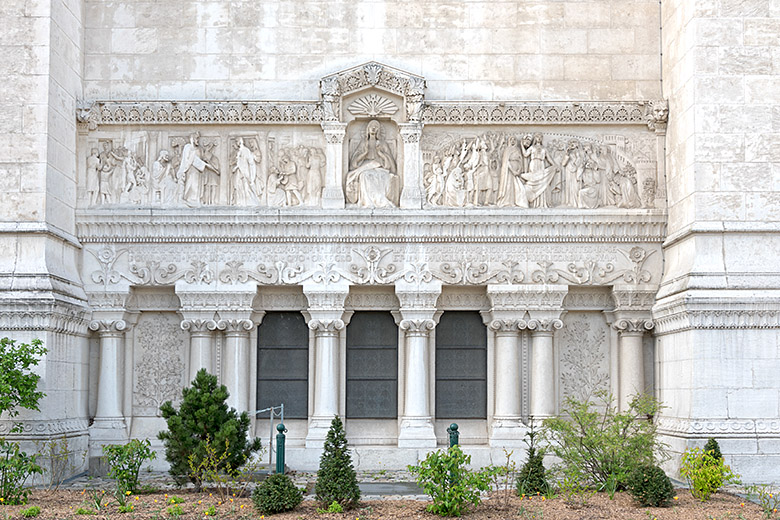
<point x="719" y="305"/>
<point x="197" y="49"/>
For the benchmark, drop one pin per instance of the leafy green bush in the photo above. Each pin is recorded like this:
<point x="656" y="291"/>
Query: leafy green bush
<point x="30" y="512"/>
<point x="532" y="477"/>
<point x="204" y="417"/>
<point x="124" y="464"/>
<point x="336" y="479"/>
<point x="650" y="486"/>
<point x="334" y="507"/>
<point x="16" y="467"/>
<point x="276" y="494"/>
<point x="175" y="511"/>
<point x="452" y="487"/>
<point x="713" y="448"/>
<point x="705" y="474"/>
<point x="600" y="446"/>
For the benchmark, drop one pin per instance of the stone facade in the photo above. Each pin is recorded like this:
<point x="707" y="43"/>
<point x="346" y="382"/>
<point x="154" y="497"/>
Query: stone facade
<point x="174" y="173"/>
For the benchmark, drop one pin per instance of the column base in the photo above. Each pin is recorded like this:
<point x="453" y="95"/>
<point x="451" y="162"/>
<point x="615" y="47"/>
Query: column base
<point x="507" y="432"/>
<point x="416" y="432"/>
<point x="333" y="198"/>
<point x="411" y="198"/>
<point x="318" y="431"/>
<point x="104" y="431"/>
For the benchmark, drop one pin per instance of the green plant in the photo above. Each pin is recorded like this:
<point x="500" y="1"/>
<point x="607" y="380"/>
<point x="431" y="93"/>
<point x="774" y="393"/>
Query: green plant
<point x="204" y="417"/>
<point x="57" y="460"/>
<point x="175" y="511"/>
<point x="452" y="487"/>
<point x="532" y="478"/>
<point x="527" y="514"/>
<point x="504" y="480"/>
<point x="30" y="512"/>
<point x="365" y="513"/>
<point x="650" y="486"/>
<point x="704" y="473"/>
<point x="334" y="507"/>
<point x="124" y="463"/>
<point x="766" y="497"/>
<point x="599" y="445"/>
<point x="210" y="511"/>
<point x="176" y="500"/>
<point x="713" y="448"/>
<point x="575" y="492"/>
<point x="16" y="467"/>
<point x="126" y="508"/>
<point x="85" y="511"/>
<point x="95" y="497"/>
<point x="276" y="494"/>
<point x="336" y="479"/>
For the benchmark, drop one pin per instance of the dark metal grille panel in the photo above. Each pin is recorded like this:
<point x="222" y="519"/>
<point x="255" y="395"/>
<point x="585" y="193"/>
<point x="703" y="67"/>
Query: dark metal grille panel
<point x="283" y="363"/>
<point x="461" y="366"/>
<point x="372" y="366"/>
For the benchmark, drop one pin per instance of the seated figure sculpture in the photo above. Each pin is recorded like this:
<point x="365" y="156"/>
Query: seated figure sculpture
<point x="372" y="180"/>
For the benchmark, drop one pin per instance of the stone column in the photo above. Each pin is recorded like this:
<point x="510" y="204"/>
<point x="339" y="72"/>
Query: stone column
<point x="201" y="344"/>
<point x="543" y="401"/>
<point x="333" y="192"/>
<point x="632" y="317"/>
<point x="326" y="311"/>
<point x="418" y="307"/>
<point x="506" y="313"/>
<point x="412" y="192"/>
<point x="109" y="423"/>
<point x="235" y="374"/>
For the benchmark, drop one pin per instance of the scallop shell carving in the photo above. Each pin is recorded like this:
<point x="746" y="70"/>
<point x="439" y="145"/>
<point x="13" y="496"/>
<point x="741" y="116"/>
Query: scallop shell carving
<point x="372" y="105"/>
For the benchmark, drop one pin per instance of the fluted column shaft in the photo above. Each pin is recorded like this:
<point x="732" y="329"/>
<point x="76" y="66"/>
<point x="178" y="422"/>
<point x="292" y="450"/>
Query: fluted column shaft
<point x="543" y="367"/>
<point x="236" y="366"/>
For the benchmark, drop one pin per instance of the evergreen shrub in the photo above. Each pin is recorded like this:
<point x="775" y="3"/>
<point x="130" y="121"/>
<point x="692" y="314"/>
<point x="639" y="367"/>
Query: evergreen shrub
<point x="336" y="479"/>
<point x="276" y="494"/>
<point x="650" y="486"/>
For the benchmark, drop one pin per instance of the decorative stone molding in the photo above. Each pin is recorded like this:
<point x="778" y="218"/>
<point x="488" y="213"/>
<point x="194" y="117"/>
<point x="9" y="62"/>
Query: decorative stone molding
<point x="373" y="74"/>
<point x="706" y="428"/>
<point x="43" y="428"/>
<point x="58" y="318"/>
<point x="709" y="311"/>
<point x="628" y="298"/>
<point x="334" y="132"/>
<point x="410" y="132"/>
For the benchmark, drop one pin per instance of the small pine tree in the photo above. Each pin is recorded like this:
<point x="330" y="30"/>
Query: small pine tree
<point x="532" y="477"/>
<point x="713" y="449"/>
<point x="204" y="426"/>
<point x="336" y="479"/>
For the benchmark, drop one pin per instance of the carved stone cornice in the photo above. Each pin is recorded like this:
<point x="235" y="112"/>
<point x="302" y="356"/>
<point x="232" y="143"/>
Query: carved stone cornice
<point x="373" y="74"/>
<point x="709" y="427"/>
<point x="544" y="325"/>
<point x="44" y="427"/>
<point x="527" y="297"/>
<point x="717" y="310"/>
<point x="199" y="299"/>
<point x="108" y="327"/>
<point x="418" y="327"/>
<point x="248" y="225"/>
<point x="418" y="299"/>
<point x="325" y="326"/>
<point x="633" y="298"/>
<point x="55" y="317"/>
<point x="523" y="113"/>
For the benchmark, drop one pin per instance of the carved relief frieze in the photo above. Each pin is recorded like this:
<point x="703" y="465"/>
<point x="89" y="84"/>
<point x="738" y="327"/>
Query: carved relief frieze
<point x="512" y="170"/>
<point x="159" y="376"/>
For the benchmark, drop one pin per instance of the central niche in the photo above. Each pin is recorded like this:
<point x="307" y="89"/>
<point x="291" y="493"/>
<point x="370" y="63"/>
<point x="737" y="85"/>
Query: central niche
<point x="372" y="177"/>
<point x="372" y="366"/>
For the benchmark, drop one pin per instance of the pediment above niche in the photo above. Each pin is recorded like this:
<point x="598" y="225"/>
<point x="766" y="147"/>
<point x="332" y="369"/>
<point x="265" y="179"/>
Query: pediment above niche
<point x="334" y="88"/>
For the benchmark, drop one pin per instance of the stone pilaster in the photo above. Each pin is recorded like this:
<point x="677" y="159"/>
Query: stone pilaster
<point x="632" y="317"/>
<point x="412" y="192"/>
<point x="326" y="319"/>
<point x="506" y="321"/>
<point x="333" y="192"/>
<point x="418" y="308"/>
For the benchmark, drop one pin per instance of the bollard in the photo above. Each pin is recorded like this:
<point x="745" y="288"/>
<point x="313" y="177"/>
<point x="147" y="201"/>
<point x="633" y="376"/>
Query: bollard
<point x="454" y="435"/>
<point x="280" y="447"/>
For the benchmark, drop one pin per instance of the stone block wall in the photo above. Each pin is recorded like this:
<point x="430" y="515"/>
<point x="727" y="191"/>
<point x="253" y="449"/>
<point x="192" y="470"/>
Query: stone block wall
<point x="186" y="49"/>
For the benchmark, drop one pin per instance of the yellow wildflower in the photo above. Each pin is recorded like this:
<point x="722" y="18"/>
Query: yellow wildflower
<point x="128" y="493"/>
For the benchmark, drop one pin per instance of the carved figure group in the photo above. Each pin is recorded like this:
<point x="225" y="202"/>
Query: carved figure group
<point x="297" y="179"/>
<point x="372" y="180"/>
<point x="523" y="171"/>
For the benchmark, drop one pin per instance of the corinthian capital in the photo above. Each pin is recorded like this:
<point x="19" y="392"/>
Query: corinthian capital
<point x="108" y="327"/>
<point x="508" y="325"/>
<point x="326" y="326"/>
<point x="545" y="325"/>
<point x="412" y="327"/>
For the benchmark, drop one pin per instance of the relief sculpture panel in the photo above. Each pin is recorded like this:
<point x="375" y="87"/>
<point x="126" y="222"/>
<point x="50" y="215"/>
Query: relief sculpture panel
<point x="507" y="169"/>
<point x="372" y="180"/>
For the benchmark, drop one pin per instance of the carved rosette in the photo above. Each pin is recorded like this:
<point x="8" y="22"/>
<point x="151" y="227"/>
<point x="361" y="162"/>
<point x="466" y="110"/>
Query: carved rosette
<point x="323" y="327"/>
<point x="421" y="327"/>
<point x="544" y="325"/>
<point x="629" y="326"/>
<point x="508" y="326"/>
<point x="107" y="328"/>
<point x="198" y="326"/>
<point x="235" y="326"/>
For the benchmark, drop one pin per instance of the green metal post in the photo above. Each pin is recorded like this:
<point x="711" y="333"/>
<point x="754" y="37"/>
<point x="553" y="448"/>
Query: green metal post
<point x="454" y="435"/>
<point x="280" y="447"/>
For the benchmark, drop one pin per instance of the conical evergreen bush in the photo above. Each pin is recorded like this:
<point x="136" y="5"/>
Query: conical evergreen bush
<point x="336" y="479"/>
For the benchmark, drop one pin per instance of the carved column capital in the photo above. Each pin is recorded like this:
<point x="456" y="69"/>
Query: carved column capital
<point x="334" y="131"/>
<point x="326" y="327"/>
<point x="198" y="326"/>
<point x="632" y="326"/>
<point x="544" y="325"/>
<point x="508" y="326"/>
<point x="417" y="327"/>
<point x="235" y="326"/>
<point x="108" y="327"/>
<point x="410" y="132"/>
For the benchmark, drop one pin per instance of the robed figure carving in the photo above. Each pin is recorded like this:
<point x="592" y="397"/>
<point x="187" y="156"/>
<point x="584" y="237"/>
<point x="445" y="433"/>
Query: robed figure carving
<point x="372" y="181"/>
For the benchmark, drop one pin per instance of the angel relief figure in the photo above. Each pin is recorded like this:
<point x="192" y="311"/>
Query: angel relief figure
<point x="372" y="180"/>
